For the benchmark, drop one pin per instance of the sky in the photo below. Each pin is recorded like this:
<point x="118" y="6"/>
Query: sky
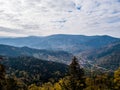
<point x="21" y="18"/>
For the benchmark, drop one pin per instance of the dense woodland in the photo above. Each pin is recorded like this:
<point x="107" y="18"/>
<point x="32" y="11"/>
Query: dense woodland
<point x="27" y="73"/>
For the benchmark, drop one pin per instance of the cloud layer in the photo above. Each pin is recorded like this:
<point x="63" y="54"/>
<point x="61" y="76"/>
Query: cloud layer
<point x="45" y="17"/>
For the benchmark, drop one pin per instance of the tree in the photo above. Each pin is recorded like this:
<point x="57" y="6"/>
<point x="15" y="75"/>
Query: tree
<point x="16" y="84"/>
<point x="33" y="87"/>
<point x="99" y="82"/>
<point x="75" y="79"/>
<point x="2" y="78"/>
<point x="75" y="70"/>
<point x="10" y="83"/>
<point x="117" y="79"/>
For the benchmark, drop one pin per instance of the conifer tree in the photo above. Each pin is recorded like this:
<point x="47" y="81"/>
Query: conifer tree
<point x="76" y="75"/>
<point x="75" y="80"/>
<point x="75" y="70"/>
<point x="2" y="78"/>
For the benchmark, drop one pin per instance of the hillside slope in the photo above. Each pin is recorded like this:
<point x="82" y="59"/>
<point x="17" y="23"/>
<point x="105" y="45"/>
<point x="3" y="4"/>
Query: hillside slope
<point x="50" y="55"/>
<point x="107" y="57"/>
<point x="31" y="70"/>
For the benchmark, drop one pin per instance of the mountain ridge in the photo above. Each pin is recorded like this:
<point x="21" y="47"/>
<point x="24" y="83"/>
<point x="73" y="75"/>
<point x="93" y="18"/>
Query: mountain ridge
<point x="49" y="55"/>
<point x="69" y="43"/>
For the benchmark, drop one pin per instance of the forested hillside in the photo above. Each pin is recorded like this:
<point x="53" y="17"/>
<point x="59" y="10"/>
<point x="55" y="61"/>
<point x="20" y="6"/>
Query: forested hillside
<point x="107" y="57"/>
<point x="31" y="70"/>
<point x="49" y="68"/>
<point x="59" y="44"/>
<point x="49" y="55"/>
<point x="27" y="73"/>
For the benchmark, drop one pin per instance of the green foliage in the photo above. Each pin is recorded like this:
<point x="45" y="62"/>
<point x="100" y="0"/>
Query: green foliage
<point x="99" y="82"/>
<point x="31" y="70"/>
<point x="10" y="83"/>
<point x="75" y="80"/>
<point x="75" y="70"/>
<point x="17" y="78"/>
<point x="2" y="78"/>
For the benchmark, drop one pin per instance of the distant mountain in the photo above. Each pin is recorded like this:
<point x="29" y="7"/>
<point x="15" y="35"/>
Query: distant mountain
<point x="104" y="51"/>
<point x="110" y="57"/>
<point x="70" y="43"/>
<point x="90" y="49"/>
<point x="107" y="57"/>
<point x="50" y="55"/>
<point x="31" y="70"/>
<point x="111" y="62"/>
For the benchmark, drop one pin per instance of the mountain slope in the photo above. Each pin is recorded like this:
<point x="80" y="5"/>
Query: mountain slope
<point x="110" y="59"/>
<point x="107" y="57"/>
<point x="31" y="70"/>
<point x="70" y="43"/>
<point x="111" y="62"/>
<point x="50" y="55"/>
<point x="105" y="51"/>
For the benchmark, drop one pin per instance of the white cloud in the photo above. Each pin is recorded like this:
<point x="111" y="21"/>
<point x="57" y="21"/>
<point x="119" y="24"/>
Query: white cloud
<point x="44" y="17"/>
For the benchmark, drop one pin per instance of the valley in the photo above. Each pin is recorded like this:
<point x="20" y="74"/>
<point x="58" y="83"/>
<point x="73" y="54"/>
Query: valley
<point x="46" y="62"/>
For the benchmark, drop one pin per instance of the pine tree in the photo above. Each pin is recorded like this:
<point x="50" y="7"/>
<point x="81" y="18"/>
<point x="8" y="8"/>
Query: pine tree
<point x="76" y="75"/>
<point x="75" y="79"/>
<point x="2" y="78"/>
<point x="75" y="70"/>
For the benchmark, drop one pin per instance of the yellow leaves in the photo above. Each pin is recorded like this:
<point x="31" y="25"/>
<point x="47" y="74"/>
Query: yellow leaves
<point x="117" y="79"/>
<point x="117" y="75"/>
<point x="48" y="86"/>
<point x="88" y="81"/>
<point x="81" y="84"/>
<point x="33" y="87"/>
<point x="57" y="86"/>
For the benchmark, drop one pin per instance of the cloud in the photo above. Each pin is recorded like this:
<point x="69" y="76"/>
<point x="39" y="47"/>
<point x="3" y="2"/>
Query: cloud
<point x="45" y="17"/>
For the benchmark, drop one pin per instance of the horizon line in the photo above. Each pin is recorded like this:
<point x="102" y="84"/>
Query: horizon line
<point x="57" y="34"/>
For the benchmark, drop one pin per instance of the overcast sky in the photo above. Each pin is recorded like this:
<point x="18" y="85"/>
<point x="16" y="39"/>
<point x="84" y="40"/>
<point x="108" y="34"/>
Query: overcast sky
<point x="46" y="17"/>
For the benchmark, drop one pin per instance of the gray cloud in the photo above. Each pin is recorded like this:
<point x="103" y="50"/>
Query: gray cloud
<point x="31" y="26"/>
<point x="44" y="17"/>
<point x="9" y="30"/>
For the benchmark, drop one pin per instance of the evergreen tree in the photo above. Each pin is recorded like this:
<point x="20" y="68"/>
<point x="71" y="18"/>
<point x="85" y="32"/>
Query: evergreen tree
<point x="76" y="75"/>
<point x="75" y="70"/>
<point x="75" y="79"/>
<point x="2" y="78"/>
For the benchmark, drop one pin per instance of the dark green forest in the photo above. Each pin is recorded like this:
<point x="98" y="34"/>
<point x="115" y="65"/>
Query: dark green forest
<point x="28" y="73"/>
